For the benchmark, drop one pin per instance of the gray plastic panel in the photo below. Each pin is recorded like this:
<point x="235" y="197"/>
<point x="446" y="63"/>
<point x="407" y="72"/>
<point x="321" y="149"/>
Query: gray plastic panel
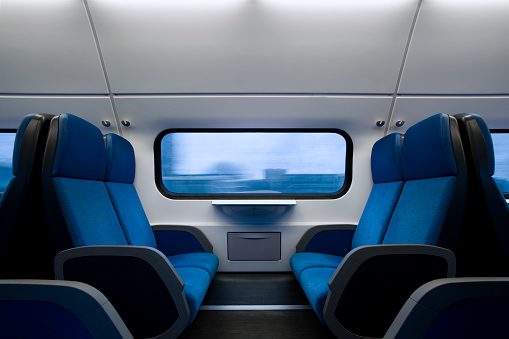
<point x="459" y="47"/>
<point x="254" y="246"/>
<point x="94" y="109"/>
<point x="48" y="47"/>
<point x="494" y="109"/>
<point x="231" y="46"/>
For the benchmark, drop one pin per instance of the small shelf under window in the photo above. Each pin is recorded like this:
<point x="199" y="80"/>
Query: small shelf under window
<point x="274" y="202"/>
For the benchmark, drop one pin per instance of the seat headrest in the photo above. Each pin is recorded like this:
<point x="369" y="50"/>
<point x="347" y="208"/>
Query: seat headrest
<point x="120" y="160"/>
<point x="386" y="159"/>
<point x="488" y="141"/>
<point x="17" y="142"/>
<point x="428" y="151"/>
<point x="80" y="151"/>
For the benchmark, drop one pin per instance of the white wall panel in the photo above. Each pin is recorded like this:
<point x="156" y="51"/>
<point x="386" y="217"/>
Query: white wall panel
<point x="459" y="47"/>
<point x="48" y="47"/>
<point x="92" y="109"/>
<point x="151" y="115"/>
<point x="243" y="46"/>
<point x="494" y="110"/>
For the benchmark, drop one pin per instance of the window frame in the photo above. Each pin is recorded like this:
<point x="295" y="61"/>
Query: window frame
<point x="506" y="131"/>
<point x="253" y="196"/>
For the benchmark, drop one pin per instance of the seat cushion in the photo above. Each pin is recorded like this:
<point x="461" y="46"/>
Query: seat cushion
<point x="203" y="260"/>
<point x="315" y="283"/>
<point x="196" y="283"/>
<point x="304" y="260"/>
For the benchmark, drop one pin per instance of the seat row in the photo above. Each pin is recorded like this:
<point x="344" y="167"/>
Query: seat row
<point x="97" y="228"/>
<point x="422" y="216"/>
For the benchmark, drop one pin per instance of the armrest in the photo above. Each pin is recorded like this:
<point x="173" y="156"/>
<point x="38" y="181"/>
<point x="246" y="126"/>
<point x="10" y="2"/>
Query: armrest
<point x="373" y="282"/>
<point x="329" y="239"/>
<point x="139" y="281"/>
<point x="178" y="239"/>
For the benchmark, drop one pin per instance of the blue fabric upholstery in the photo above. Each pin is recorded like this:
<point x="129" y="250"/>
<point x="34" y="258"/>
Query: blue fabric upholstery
<point x="421" y="211"/>
<point x="335" y="242"/>
<point x="427" y="150"/>
<point x="37" y="319"/>
<point x="89" y="215"/>
<point x="196" y="283"/>
<point x="386" y="167"/>
<point x="80" y="151"/>
<point x="120" y="161"/>
<point x="177" y="242"/>
<point x="377" y="214"/>
<point x="131" y="215"/>
<point x="17" y="142"/>
<point x="409" y="211"/>
<point x="203" y="260"/>
<point x="386" y="159"/>
<point x="195" y="269"/>
<point x="315" y="283"/>
<point x="302" y="261"/>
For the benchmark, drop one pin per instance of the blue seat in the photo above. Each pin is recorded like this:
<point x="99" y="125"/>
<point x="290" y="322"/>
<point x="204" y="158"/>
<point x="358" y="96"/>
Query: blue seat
<point x="326" y="246"/>
<point x="457" y="308"/>
<point x="119" y="178"/>
<point x="150" y="294"/>
<point x="24" y="242"/>
<point x="362" y="296"/>
<point x="57" y="310"/>
<point x="484" y="248"/>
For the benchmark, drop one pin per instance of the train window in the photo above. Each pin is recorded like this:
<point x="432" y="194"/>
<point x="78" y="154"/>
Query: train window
<point x="6" y="148"/>
<point x="250" y="164"/>
<point x="501" y="147"/>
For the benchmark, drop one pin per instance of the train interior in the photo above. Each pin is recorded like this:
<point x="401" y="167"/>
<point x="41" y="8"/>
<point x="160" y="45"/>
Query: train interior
<point x="254" y="169"/>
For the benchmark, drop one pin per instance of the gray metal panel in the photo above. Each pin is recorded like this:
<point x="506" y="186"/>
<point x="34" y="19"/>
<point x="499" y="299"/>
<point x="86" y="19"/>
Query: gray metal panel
<point x="91" y="108"/>
<point x="459" y="47"/>
<point x="48" y="47"/>
<point x="231" y="46"/>
<point x="254" y="246"/>
<point x="494" y="110"/>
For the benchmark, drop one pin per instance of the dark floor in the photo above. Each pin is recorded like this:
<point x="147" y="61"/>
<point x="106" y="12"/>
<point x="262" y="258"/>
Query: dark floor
<point x="256" y="289"/>
<point x="295" y="324"/>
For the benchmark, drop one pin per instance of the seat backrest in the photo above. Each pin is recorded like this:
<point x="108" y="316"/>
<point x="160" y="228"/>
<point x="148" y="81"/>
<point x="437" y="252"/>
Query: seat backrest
<point x="119" y="178"/>
<point x="76" y="201"/>
<point x="430" y="208"/>
<point x="57" y="309"/>
<point x="455" y="308"/>
<point x="388" y="182"/>
<point x="24" y="249"/>
<point x="484" y="247"/>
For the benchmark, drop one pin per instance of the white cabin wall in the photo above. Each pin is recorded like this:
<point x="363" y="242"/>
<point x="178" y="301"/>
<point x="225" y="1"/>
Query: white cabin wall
<point x="412" y="109"/>
<point x="94" y="109"/>
<point x="359" y="113"/>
